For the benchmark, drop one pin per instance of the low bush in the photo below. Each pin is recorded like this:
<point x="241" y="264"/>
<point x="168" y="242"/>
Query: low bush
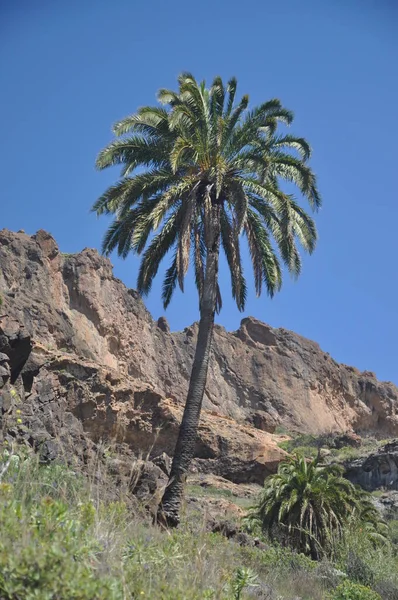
<point x="354" y="591"/>
<point x="369" y="563"/>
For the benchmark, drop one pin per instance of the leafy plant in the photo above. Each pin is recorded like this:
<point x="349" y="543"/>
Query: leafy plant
<point x="308" y="505"/>
<point x="243" y="579"/>
<point x="45" y="553"/>
<point x="311" y="442"/>
<point x="366" y="562"/>
<point x="354" y="591"/>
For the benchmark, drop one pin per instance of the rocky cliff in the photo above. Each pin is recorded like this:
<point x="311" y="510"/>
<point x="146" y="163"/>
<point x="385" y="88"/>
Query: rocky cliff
<point x="83" y="354"/>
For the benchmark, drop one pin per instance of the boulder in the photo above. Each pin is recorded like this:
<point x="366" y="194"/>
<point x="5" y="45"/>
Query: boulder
<point x="377" y="470"/>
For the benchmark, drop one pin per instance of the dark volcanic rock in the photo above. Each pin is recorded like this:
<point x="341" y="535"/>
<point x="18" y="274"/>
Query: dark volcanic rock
<point x="378" y="470"/>
<point x="15" y="344"/>
<point x="5" y="371"/>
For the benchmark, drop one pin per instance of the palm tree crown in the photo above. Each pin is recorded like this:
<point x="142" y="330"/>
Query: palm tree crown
<point x="201" y="149"/>
<point x="308" y="505"/>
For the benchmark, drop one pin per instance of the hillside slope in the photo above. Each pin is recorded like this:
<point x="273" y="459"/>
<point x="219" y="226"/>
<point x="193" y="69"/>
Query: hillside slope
<point x="98" y="355"/>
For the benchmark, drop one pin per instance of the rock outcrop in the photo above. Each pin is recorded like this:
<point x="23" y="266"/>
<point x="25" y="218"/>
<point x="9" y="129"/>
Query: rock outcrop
<point x="377" y="470"/>
<point x="83" y="354"/>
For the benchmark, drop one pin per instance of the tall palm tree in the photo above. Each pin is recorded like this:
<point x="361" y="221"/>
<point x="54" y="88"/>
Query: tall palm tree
<point x="308" y="505"/>
<point x="202" y="171"/>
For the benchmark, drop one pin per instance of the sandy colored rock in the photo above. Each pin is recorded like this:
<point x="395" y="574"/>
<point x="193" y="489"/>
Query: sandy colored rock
<point x="99" y="357"/>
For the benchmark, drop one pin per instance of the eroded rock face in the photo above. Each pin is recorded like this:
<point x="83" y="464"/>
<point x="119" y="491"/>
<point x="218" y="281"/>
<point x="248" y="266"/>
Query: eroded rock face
<point x="94" y="356"/>
<point x="378" y="470"/>
<point x="66" y="407"/>
<point x="387" y="504"/>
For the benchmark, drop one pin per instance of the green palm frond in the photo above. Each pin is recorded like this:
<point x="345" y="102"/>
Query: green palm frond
<point x="199" y="149"/>
<point x="217" y="99"/>
<point x="170" y="282"/>
<point x="295" y="171"/>
<point x="156" y="251"/>
<point x="262" y="120"/>
<point x="265" y="263"/>
<point x="111" y="199"/>
<point x="184" y="236"/>
<point x="231" y="90"/>
<point x="132" y="190"/>
<point x="289" y="141"/>
<point x="230" y="244"/>
<point x="133" y="152"/>
<point x="315" y="504"/>
<point x="151" y="121"/>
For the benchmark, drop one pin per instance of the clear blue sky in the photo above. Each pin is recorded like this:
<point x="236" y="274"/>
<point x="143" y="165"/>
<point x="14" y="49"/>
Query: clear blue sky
<point x="69" y="69"/>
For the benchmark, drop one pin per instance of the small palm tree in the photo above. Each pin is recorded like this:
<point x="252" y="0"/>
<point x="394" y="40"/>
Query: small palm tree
<point x="308" y="505"/>
<point x="202" y="171"/>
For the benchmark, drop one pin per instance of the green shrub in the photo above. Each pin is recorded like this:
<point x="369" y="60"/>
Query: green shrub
<point x="348" y="453"/>
<point x="278" y="557"/>
<point x="244" y="578"/>
<point x="393" y="529"/>
<point x="57" y="543"/>
<point x="308" y="505"/>
<point x="304" y="450"/>
<point x="47" y="553"/>
<point x="307" y="444"/>
<point x="354" y="591"/>
<point x="368" y="563"/>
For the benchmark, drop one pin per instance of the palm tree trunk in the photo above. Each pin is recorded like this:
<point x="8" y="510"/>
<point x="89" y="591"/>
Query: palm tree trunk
<point x="169" y="508"/>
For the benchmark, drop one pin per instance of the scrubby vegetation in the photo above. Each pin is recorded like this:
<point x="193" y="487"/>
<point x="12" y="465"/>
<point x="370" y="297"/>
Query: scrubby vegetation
<point x="200" y="491"/>
<point x="353" y="591"/>
<point x="60" y="542"/>
<point x="61" y="539"/>
<point x="330" y="444"/>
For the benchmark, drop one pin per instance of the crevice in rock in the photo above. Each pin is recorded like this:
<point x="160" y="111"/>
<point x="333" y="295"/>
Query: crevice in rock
<point x="18" y="348"/>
